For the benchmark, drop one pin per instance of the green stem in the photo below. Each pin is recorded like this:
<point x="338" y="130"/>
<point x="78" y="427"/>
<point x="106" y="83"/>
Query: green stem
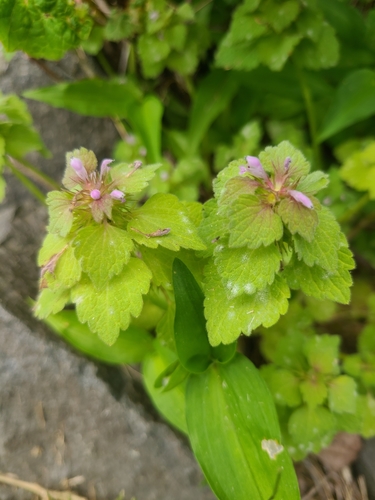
<point x="357" y="207"/>
<point x="311" y="116"/>
<point x="34" y="173"/>
<point x="27" y="183"/>
<point x="105" y="64"/>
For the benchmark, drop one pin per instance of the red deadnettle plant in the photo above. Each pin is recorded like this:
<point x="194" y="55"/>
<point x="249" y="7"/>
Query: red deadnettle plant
<point x="222" y="270"/>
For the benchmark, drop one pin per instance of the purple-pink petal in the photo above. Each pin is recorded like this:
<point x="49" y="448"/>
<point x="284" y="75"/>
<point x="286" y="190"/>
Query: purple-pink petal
<point x="95" y="194"/>
<point x="301" y="198"/>
<point x="255" y="167"/>
<point x="104" y="168"/>
<point x="80" y="170"/>
<point x="117" y="195"/>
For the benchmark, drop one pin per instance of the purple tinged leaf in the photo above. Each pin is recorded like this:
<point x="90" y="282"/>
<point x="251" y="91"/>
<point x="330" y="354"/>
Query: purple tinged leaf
<point x="243" y="169"/>
<point x="301" y="198"/>
<point x="95" y="194"/>
<point x="118" y="195"/>
<point x="255" y="167"/>
<point x="104" y="168"/>
<point x="80" y="170"/>
<point x="287" y="163"/>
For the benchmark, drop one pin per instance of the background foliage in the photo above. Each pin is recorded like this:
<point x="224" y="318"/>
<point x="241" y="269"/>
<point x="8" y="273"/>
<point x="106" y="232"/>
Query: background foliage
<point x="192" y="87"/>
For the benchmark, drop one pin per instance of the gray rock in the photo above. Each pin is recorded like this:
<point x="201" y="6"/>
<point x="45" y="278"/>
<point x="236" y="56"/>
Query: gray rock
<point x="366" y="466"/>
<point x="59" y="420"/>
<point x="61" y="415"/>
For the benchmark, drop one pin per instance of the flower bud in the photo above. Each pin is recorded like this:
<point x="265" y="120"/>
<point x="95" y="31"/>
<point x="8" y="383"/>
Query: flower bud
<point x="104" y="167"/>
<point x="117" y="195"/>
<point x="95" y="194"/>
<point x="255" y="167"/>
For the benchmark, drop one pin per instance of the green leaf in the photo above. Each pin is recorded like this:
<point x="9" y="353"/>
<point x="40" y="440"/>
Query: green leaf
<point x="275" y="50"/>
<point x="152" y="52"/>
<point x="245" y="271"/>
<point x="145" y="118"/>
<point x="164" y="211"/>
<point x="273" y="158"/>
<point x="21" y="139"/>
<point x="60" y="213"/>
<point x="211" y="98"/>
<point x="312" y="428"/>
<point x="279" y="16"/>
<point x="170" y="404"/>
<point x="253" y="223"/>
<point x="131" y="346"/>
<point x="43" y="29"/>
<point x="190" y="333"/>
<point x="52" y="245"/>
<point x="50" y="302"/>
<point x="314" y="391"/>
<point x="298" y="218"/>
<point x="66" y="273"/>
<point x="323" y="249"/>
<point x="319" y="283"/>
<point x="322" y="352"/>
<point x="322" y="49"/>
<point x="212" y="228"/>
<point x="359" y="170"/>
<point x="313" y="182"/>
<point x="131" y="180"/>
<point x="234" y="433"/>
<point x="366" y="340"/>
<point x="342" y="394"/>
<point x="283" y="384"/>
<point x="15" y="109"/>
<point x="102" y="250"/>
<point x="366" y="410"/>
<point x="82" y="97"/>
<point x="108" y="310"/>
<point x="353" y="102"/>
<point x="228" y="318"/>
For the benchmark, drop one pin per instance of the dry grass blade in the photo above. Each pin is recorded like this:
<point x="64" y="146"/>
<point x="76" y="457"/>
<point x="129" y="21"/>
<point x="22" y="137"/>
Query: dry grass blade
<point x="38" y="490"/>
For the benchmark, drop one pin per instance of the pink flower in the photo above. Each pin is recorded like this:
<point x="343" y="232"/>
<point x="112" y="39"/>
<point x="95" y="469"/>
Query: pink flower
<point x="104" y="168"/>
<point x="301" y="198"/>
<point x="80" y="170"/>
<point x="255" y="167"/>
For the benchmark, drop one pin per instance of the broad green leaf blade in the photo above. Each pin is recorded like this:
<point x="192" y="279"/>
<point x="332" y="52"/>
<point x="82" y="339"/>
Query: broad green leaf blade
<point x="322" y="353"/>
<point x="359" y="170"/>
<point x="243" y="270"/>
<point x="164" y="211"/>
<point x="82" y="97"/>
<point x="102" y="250"/>
<point x="60" y="213"/>
<point x="312" y="428"/>
<point x="323" y="249"/>
<point x="66" y="270"/>
<point x="313" y="182"/>
<point x="21" y="139"/>
<point x="50" y="302"/>
<point x="283" y="384"/>
<point x="298" y="218"/>
<point x="146" y="118"/>
<point x="228" y="318"/>
<point x="131" y="180"/>
<point x="212" y="228"/>
<point x="319" y="283"/>
<point x="210" y="99"/>
<point x="234" y="432"/>
<point x="193" y="348"/>
<point x="43" y="29"/>
<point x="342" y="394"/>
<point x="253" y="223"/>
<point x="108" y="310"/>
<point x="273" y="158"/>
<point x="131" y="346"/>
<point x="354" y="101"/>
<point x="314" y="391"/>
<point x="170" y="404"/>
<point x="52" y="244"/>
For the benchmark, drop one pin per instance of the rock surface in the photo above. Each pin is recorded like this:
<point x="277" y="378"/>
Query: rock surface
<point x="61" y="415"/>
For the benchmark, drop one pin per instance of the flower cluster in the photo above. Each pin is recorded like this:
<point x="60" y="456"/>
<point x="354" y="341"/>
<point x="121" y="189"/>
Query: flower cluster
<point x="96" y="189"/>
<point x="280" y="186"/>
